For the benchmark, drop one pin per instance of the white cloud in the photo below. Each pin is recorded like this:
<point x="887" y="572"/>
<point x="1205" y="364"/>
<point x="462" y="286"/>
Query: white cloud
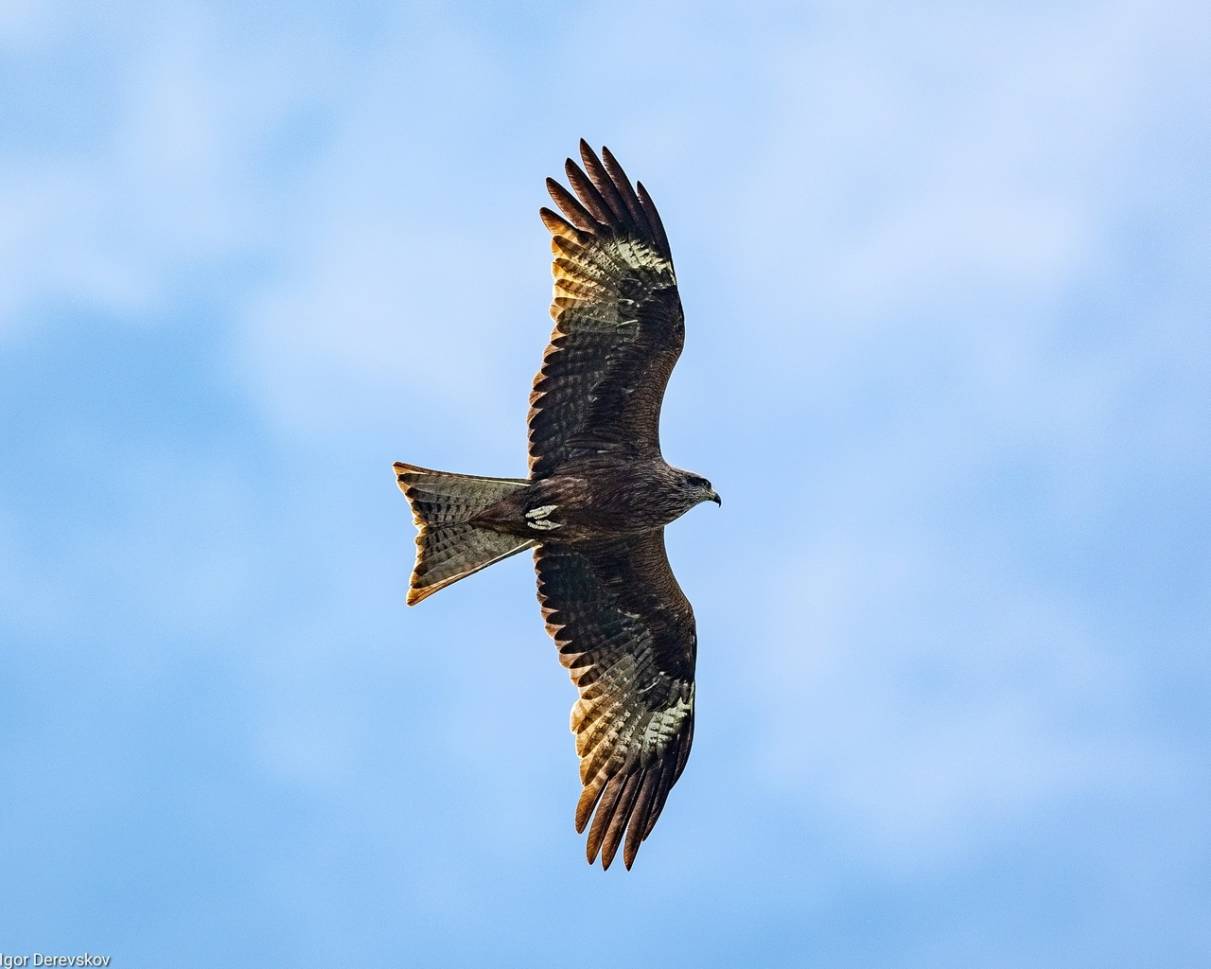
<point x="923" y="199"/>
<point x="925" y="699"/>
<point x="400" y="280"/>
<point x="150" y="172"/>
<point x="947" y="164"/>
<point x="913" y="200"/>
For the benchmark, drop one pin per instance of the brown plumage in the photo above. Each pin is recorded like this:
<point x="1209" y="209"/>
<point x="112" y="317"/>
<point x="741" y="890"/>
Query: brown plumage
<point x="595" y="504"/>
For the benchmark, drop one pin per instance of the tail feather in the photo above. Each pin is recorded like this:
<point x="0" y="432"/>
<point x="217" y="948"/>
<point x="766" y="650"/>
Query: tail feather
<point x="448" y="546"/>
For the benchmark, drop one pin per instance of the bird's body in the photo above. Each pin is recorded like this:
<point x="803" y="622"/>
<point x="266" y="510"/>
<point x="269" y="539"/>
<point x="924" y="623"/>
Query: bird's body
<point x="590" y="501"/>
<point x="595" y="504"/>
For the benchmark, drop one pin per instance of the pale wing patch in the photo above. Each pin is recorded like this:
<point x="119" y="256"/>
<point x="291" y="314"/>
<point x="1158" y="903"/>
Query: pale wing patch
<point x="639" y="255"/>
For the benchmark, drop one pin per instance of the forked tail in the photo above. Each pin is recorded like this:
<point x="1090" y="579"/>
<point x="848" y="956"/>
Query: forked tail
<point x="448" y="546"/>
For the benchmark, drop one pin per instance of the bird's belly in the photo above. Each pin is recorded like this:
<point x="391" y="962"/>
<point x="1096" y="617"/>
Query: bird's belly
<point x="586" y="508"/>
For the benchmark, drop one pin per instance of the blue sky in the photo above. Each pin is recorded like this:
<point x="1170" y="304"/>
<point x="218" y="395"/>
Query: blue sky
<point x="948" y="357"/>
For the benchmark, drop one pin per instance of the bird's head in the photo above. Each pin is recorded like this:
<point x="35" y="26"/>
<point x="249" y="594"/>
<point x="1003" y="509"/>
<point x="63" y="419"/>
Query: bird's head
<point x="698" y="489"/>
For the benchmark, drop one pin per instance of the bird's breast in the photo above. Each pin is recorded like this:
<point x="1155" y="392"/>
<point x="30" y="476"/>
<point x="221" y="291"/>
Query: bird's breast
<point x="605" y="504"/>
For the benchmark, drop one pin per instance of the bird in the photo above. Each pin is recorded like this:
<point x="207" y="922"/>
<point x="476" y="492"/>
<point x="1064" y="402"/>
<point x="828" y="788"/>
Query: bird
<point x="595" y="504"/>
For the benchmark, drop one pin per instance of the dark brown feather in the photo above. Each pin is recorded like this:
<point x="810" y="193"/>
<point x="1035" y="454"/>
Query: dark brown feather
<point x="663" y="786"/>
<point x="639" y="822"/>
<point x="618" y="822"/>
<point x="568" y="204"/>
<point x="657" y="227"/>
<point x="605" y="812"/>
<point x="609" y="191"/>
<point x="588" y="194"/>
<point x="560" y="228"/>
<point x="618" y="330"/>
<point x="623" y="185"/>
<point x="625" y="632"/>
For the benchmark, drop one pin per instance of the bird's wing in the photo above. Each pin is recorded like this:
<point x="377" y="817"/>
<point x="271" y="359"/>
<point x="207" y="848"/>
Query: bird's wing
<point x="625" y="631"/>
<point x="618" y="321"/>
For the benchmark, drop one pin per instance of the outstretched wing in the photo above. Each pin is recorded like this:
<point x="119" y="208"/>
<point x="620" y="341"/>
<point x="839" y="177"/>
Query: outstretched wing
<point x="618" y="321"/>
<point x="625" y="631"/>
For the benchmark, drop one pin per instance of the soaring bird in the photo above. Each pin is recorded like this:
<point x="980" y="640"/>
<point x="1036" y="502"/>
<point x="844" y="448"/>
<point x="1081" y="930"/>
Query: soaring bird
<point x="595" y="504"/>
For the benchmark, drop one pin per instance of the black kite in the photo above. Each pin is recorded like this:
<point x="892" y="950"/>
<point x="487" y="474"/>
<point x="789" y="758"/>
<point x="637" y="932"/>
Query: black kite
<point x="595" y="504"/>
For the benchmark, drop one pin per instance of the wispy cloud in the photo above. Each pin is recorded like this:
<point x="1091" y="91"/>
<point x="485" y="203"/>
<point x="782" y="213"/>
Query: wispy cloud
<point x="946" y="361"/>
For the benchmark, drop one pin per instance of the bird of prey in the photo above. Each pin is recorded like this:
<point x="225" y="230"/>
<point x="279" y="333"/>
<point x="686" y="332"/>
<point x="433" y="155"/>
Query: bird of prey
<point x="595" y="504"/>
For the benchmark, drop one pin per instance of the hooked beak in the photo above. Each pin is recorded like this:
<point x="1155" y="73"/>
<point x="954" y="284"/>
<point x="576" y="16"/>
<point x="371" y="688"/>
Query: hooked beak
<point x="716" y="499"/>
